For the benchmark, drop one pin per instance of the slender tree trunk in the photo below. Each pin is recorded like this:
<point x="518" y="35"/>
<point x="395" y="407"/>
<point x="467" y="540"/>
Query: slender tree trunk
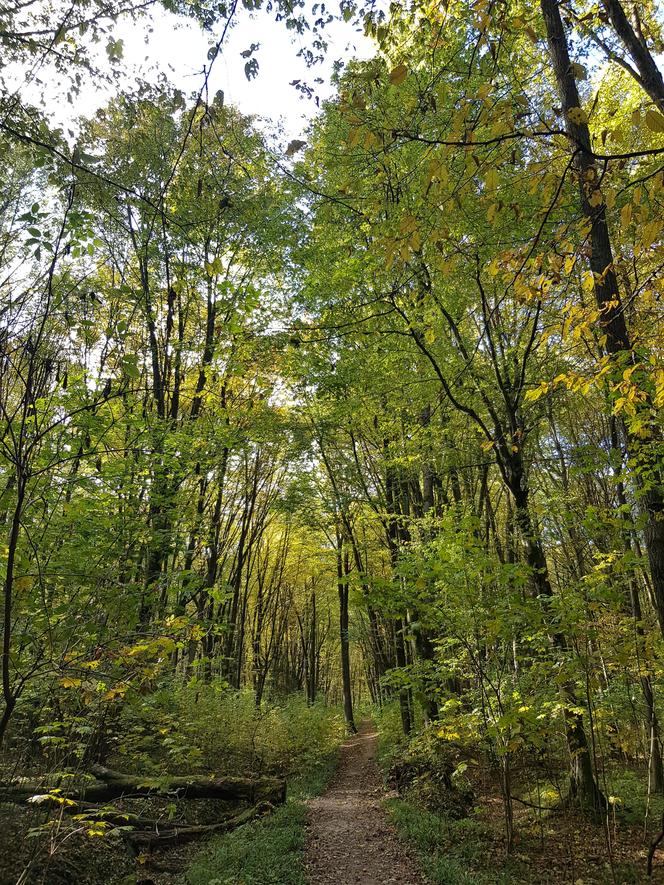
<point x="649" y="76"/>
<point x="404" y="693"/>
<point x="342" y="585"/>
<point x="8" y="693"/>
<point x="583" y="784"/>
<point x="311" y="687"/>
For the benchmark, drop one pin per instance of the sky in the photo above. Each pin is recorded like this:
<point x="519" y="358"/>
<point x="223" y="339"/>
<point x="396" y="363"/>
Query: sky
<point x="163" y="42"/>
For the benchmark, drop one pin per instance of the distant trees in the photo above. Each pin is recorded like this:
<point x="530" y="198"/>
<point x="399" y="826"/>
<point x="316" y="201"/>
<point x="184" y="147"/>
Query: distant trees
<point x="145" y="449"/>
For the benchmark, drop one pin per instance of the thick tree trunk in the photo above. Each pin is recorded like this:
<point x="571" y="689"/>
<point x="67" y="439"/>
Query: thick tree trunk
<point x="165" y="836"/>
<point x="607" y="295"/>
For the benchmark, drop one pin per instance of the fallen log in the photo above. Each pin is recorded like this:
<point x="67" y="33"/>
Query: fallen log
<point x="89" y="812"/>
<point x="112" y="785"/>
<point x="152" y="833"/>
<point x="168" y="836"/>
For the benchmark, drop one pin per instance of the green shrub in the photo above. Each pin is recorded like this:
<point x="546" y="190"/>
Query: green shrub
<point x="209" y="728"/>
<point x="270" y="851"/>
<point x="426" y="769"/>
<point x="391" y="739"/>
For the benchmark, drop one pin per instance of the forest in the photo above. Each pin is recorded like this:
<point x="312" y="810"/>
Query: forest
<point x="332" y="467"/>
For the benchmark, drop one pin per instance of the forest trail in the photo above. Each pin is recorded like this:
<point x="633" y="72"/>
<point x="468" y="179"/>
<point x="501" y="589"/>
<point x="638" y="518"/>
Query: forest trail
<point x="350" y="839"/>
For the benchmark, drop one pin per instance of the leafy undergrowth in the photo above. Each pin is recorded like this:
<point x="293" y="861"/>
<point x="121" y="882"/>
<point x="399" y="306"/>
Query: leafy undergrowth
<point x="269" y="851"/>
<point x="557" y="848"/>
<point x="208" y="729"/>
<point x="200" y="729"/>
<point x="561" y="846"/>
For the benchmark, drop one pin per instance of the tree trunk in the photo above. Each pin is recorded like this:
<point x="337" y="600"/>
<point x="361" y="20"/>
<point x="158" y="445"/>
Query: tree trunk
<point x="8" y="692"/>
<point x="404" y="693"/>
<point x="650" y="77"/>
<point x="583" y="785"/>
<point x="607" y="295"/>
<point x="342" y="585"/>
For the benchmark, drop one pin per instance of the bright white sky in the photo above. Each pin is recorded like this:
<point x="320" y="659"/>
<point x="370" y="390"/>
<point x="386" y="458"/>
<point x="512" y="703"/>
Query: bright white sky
<point x="178" y="48"/>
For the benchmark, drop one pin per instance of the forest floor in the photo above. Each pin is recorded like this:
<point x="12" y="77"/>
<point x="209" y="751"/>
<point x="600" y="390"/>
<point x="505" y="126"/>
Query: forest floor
<point x="349" y="836"/>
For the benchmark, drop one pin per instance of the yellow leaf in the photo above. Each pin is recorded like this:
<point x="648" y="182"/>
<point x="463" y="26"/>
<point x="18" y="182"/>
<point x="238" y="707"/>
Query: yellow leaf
<point x="492" y="212"/>
<point x="533" y="395"/>
<point x="69" y="682"/>
<point x="491" y="180"/>
<point x="398" y="75"/>
<point x="570" y="261"/>
<point x="655" y="121"/>
<point x="369" y="141"/>
<point x="588" y="281"/>
<point x="354" y="137"/>
<point x="595" y="198"/>
<point x="437" y="172"/>
<point x="577" y="116"/>
<point x="626" y="215"/>
<point x="650" y="233"/>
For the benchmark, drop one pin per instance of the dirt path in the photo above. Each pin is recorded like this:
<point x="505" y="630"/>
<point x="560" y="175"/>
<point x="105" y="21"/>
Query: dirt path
<point x="349" y="837"/>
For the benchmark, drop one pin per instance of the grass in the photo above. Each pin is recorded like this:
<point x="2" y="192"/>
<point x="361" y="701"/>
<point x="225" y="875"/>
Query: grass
<point x="449" y="850"/>
<point x="269" y="851"/>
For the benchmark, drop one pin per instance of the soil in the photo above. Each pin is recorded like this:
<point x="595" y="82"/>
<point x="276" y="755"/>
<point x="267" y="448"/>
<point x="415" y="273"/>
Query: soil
<point x="349" y="837"/>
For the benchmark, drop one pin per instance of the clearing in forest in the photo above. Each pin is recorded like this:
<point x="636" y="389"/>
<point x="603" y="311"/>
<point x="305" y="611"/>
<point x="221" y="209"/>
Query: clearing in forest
<point x="349" y="837"/>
